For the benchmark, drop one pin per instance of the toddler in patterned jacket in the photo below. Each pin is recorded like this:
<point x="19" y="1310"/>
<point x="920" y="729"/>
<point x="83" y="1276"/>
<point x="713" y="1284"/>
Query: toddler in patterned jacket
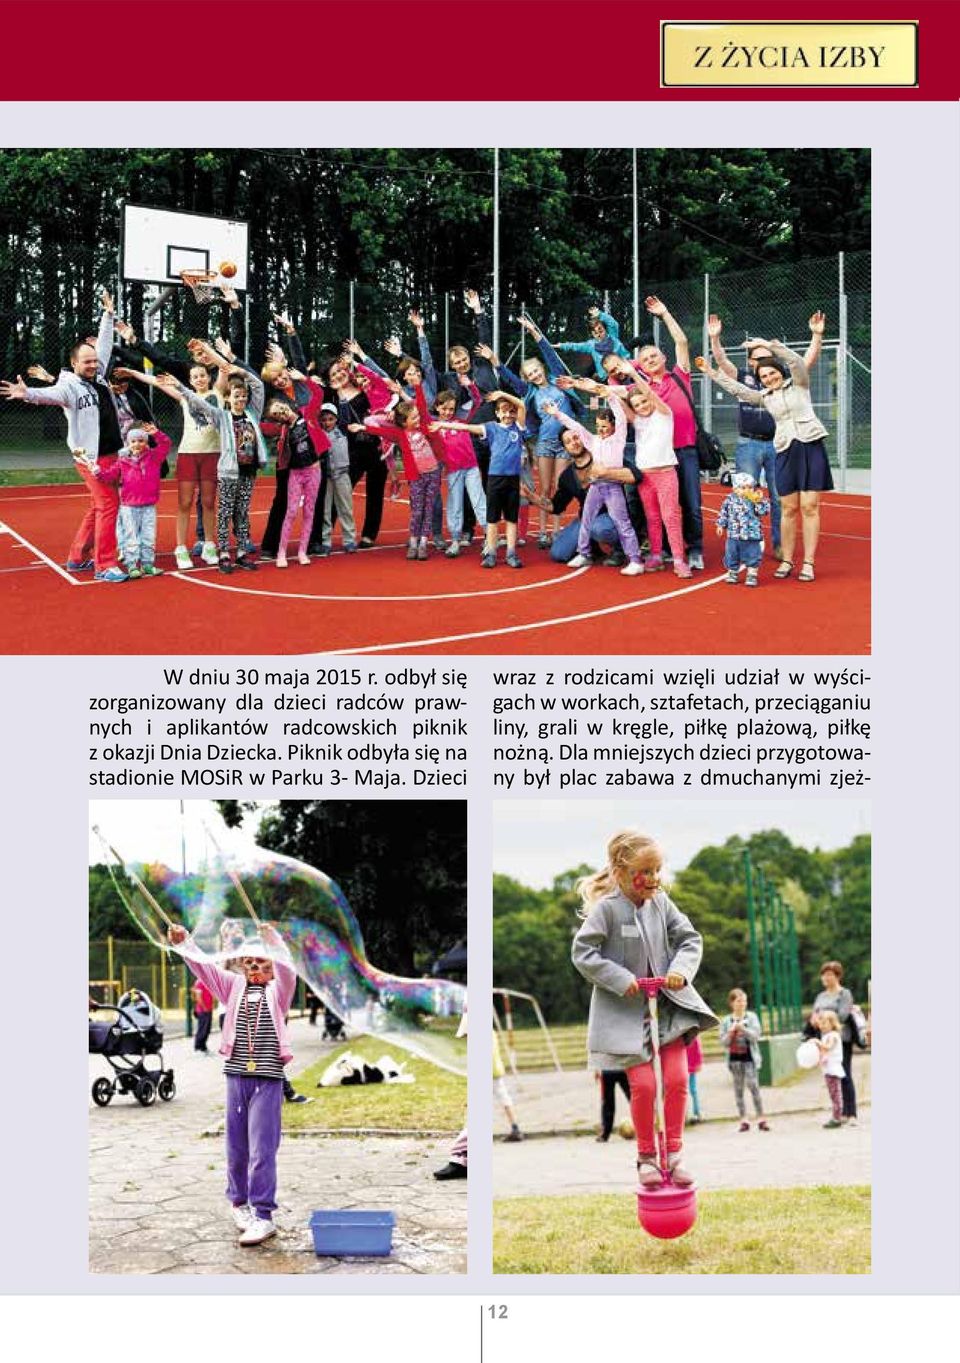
<point x="740" y="520"/>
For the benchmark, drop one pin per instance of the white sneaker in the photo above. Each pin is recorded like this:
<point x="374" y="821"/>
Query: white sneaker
<point x="632" y="570"/>
<point x="241" y="1216"/>
<point x="182" y="555"/>
<point x="208" y="554"/>
<point x="579" y="561"/>
<point x="257" y="1231"/>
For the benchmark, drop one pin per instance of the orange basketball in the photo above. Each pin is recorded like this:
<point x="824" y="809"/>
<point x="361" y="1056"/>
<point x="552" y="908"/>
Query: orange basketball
<point x="228" y="269"/>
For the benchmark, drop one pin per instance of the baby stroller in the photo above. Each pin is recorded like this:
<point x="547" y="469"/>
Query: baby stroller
<point x="125" y="1044"/>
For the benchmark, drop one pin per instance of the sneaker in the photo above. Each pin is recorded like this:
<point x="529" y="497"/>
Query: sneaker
<point x="299" y="1098"/>
<point x="151" y="570"/>
<point x="513" y="1135"/>
<point x="753" y="577"/>
<point x="488" y="560"/>
<point x="454" y="550"/>
<point x="80" y="565"/>
<point x="654" y="564"/>
<point x="197" y="549"/>
<point x="112" y="575"/>
<point x="649" y="1172"/>
<point x="513" y="560"/>
<point x="744" y="1126"/>
<point x="258" y="1230"/>
<point x="762" y="1125"/>
<point x="579" y="561"/>
<point x="225" y="565"/>
<point x="439" y="543"/>
<point x="465" y="541"/>
<point x="850" y="1121"/>
<point x="451" y="1170"/>
<point x="241" y="1216"/>
<point x="325" y="551"/>
<point x="544" y="541"/>
<point x="732" y="577"/>
<point x="411" y="552"/>
<point x="832" y="1124"/>
<point x="615" y="560"/>
<point x="347" y="549"/>
<point x="281" y="560"/>
<point x="249" y="548"/>
<point x="680" y="1175"/>
<point x="423" y="553"/>
<point x="267" y="557"/>
<point x="682" y="570"/>
<point x="695" y="560"/>
<point x="632" y="570"/>
<point x="303" y="559"/>
<point x="208" y="553"/>
<point x="183" y="559"/>
<point x="365" y="543"/>
<point x="246" y="563"/>
<point x="135" y="571"/>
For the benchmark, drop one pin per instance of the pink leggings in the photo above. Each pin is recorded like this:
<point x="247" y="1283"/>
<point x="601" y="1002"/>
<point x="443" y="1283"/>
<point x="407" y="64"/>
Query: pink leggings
<point x="660" y="495"/>
<point x="303" y="483"/>
<point x="643" y="1097"/>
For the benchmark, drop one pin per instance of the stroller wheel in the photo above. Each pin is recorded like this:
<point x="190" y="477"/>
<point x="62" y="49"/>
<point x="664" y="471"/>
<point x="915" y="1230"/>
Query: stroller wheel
<point x="167" y="1088"/>
<point x="102" y="1092"/>
<point x="146" y="1092"/>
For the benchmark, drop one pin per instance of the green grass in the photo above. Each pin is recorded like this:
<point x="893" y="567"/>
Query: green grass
<point x="769" y="1230"/>
<point x="436" y="1101"/>
<point x="37" y="477"/>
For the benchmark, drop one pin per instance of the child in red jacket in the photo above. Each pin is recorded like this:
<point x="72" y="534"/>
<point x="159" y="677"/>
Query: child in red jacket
<point x="421" y="451"/>
<point x="137" y="470"/>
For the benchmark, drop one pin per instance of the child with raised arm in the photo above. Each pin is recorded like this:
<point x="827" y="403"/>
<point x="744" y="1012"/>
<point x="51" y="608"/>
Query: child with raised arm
<point x="243" y="452"/>
<point x="339" y="490"/>
<point x="463" y="473"/>
<point x="137" y="473"/>
<point x="543" y="392"/>
<point x="606" y="447"/>
<point x="306" y="442"/>
<point x="505" y="437"/>
<point x="739" y="520"/>
<point x="631" y="931"/>
<point x="421" y="450"/>
<point x="255" y="1049"/>
<point x="604" y="340"/>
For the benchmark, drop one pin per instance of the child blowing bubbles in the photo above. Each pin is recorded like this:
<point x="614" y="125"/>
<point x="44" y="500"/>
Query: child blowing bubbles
<point x="255" y="1048"/>
<point x="740" y="518"/>
<point x="632" y="930"/>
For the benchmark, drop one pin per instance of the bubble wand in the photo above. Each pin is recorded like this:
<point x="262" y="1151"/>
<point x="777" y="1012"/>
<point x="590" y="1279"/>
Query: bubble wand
<point x="154" y="904"/>
<point x="237" y="882"/>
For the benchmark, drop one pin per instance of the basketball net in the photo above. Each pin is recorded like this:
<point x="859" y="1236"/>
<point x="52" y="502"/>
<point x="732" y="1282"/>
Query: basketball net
<point x="200" y="283"/>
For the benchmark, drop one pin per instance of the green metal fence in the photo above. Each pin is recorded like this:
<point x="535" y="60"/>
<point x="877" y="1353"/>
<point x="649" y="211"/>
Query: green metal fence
<point x="774" y="952"/>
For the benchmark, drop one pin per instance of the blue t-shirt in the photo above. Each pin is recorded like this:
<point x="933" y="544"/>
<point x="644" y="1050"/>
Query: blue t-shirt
<point x="506" y="447"/>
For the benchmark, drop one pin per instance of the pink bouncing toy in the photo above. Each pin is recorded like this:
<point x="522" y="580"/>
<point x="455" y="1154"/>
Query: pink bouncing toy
<point x="668" y="1211"/>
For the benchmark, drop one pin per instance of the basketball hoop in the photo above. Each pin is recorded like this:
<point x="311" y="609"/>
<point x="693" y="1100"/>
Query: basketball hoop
<point x="201" y="284"/>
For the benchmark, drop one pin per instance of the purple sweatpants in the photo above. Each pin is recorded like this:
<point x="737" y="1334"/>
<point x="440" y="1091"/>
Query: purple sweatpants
<point x="423" y="492"/>
<point x="609" y="495"/>
<point x="253" y="1136"/>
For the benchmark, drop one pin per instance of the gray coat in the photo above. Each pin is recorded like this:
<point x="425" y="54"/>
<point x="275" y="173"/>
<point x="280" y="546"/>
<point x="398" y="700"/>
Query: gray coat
<point x="752" y="1030"/>
<point x="840" y="1004"/>
<point x="620" y="942"/>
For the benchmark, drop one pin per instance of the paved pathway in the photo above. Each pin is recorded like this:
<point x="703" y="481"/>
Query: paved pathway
<point x="156" y="1186"/>
<point x="560" y="1111"/>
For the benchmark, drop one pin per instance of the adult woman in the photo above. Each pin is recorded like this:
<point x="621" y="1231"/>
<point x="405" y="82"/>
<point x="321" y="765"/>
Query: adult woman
<point x="803" y="470"/>
<point x="836" y="999"/>
<point x="365" y="461"/>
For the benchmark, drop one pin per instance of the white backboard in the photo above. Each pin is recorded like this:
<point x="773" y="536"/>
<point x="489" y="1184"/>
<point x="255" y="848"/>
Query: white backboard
<point x="159" y="242"/>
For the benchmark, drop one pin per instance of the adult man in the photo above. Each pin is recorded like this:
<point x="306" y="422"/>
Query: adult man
<point x="93" y="425"/>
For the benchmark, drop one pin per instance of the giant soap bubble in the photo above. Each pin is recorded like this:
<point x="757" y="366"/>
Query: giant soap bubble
<point x="239" y="886"/>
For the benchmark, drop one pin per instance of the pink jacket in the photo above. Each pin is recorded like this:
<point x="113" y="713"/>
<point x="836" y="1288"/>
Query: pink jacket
<point x="229" y="987"/>
<point x="139" y="479"/>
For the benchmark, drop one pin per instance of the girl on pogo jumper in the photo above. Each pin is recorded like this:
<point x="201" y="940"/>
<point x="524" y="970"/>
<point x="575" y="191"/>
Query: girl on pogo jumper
<point x="255" y="1049"/>
<point x="633" y="930"/>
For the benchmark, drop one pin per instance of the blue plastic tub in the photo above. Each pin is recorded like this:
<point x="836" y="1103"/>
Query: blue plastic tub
<point x="348" y="1232"/>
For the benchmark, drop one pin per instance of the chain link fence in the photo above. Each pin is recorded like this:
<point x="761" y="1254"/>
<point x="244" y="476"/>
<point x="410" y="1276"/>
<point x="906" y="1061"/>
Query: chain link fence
<point x="44" y="311"/>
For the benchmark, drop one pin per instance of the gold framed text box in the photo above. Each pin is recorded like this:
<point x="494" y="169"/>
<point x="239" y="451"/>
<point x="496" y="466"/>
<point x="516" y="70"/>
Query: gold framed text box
<point x="798" y="55"/>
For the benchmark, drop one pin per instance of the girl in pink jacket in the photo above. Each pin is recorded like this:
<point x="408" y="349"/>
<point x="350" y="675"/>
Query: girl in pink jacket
<point x="255" y="1048"/>
<point x="137" y="470"/>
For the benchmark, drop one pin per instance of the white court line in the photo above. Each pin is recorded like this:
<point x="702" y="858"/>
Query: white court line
<point x="24" y="568"/>
<point x="350" y="600"/>
<point x="522" y="629"/>
<point x="68" y="577"/>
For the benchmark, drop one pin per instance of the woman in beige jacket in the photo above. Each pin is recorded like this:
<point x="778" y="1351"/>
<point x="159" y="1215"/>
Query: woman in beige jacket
<point x="803" y="470"/>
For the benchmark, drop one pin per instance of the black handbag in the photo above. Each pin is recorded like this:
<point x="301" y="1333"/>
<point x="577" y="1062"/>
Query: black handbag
<point x="710" y="452"/>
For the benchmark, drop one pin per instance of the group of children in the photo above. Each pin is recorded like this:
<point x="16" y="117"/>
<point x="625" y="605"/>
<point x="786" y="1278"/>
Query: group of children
<point x="631" y="931"/>
<point x="501" y="442"/>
